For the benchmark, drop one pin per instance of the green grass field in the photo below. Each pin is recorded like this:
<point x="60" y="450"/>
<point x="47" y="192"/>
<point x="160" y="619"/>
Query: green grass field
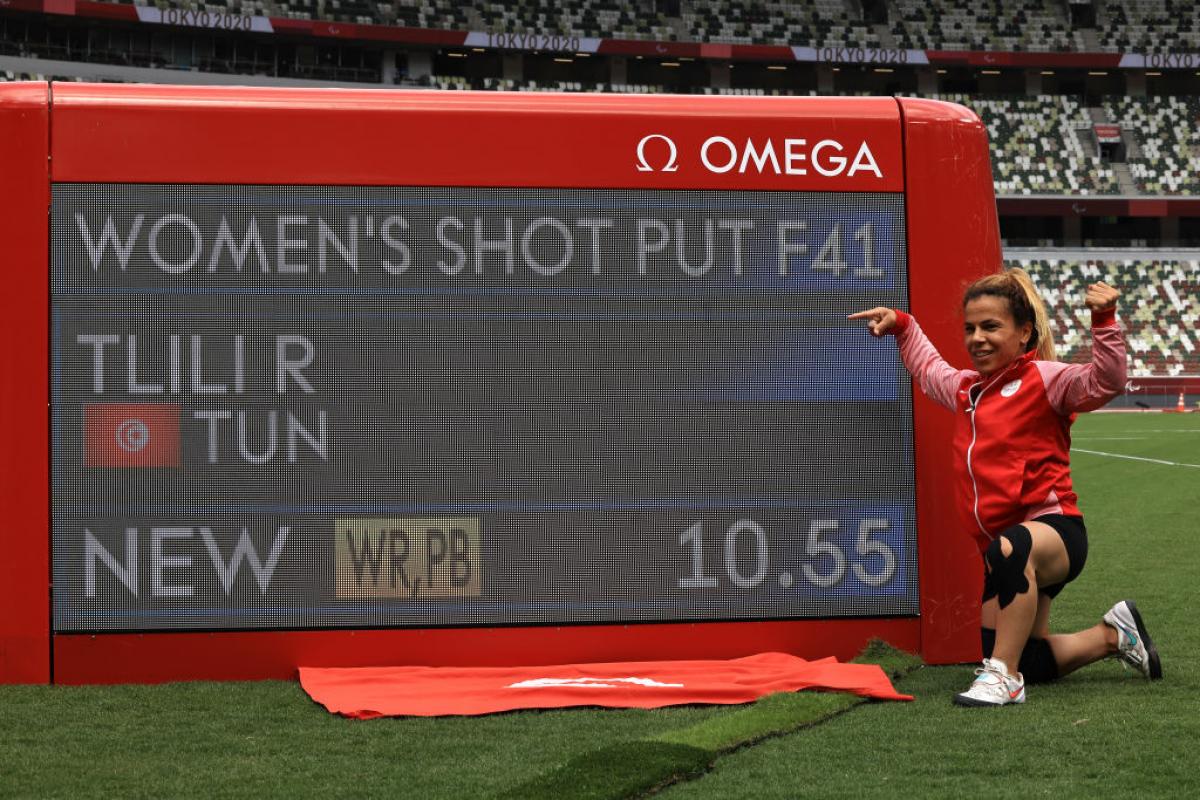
<point x="1102" y="731"/>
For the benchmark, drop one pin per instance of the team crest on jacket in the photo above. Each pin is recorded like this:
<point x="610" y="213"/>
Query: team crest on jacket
<point x="1010" y="388"/>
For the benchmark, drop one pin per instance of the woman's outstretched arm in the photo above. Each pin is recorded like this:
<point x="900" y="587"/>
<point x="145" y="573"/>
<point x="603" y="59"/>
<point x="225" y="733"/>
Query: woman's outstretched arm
<point x="937" y="379"/>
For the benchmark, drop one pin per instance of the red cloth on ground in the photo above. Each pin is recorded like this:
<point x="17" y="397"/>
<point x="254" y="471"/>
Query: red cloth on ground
<point x="367" y="692"/>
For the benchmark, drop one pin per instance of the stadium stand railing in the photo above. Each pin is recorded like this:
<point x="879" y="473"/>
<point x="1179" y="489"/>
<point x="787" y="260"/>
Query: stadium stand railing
<point x="9" y="75"/>
<point x="455" y="82"/>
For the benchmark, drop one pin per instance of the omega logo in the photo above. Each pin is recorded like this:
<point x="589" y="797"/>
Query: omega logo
<point x="670" y="166"/>
<point x="720" y="154"/>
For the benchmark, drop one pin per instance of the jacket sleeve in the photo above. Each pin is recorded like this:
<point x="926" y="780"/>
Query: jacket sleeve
<point x="937" y="379"/>
<point x="1073" y="388"/>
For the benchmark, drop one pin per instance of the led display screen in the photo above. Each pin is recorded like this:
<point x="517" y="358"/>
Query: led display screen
<point x="311" y="406"/>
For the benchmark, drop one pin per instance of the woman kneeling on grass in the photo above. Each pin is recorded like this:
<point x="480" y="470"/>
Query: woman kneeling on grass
<point x="1012" y="447"/>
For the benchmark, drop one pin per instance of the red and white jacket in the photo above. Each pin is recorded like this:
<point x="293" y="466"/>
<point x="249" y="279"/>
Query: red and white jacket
<point x="1012" y="438"/>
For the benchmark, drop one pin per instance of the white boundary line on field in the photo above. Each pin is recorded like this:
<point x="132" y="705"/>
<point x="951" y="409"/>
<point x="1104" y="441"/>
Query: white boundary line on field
<point x="1162" y="430"/>
<point x="1134" y="458"/>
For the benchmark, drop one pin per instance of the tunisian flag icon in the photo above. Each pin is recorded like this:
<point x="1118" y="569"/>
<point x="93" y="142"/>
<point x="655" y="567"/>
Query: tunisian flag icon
<point x="131" y="435"/>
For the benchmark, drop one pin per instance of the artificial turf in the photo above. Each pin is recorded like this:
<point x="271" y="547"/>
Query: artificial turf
<point x="636" y="768"/>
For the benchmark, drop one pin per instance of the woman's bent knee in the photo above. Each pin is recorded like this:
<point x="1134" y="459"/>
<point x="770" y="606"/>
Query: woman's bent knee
<point x="1007" y="559"/>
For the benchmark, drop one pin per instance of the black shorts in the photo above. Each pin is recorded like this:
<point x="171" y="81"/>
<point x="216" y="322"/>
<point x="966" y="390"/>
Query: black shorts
<point x="1074" y="538"/>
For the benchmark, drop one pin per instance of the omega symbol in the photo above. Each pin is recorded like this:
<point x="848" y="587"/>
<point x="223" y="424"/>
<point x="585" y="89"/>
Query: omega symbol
<point x="670" y="166"/>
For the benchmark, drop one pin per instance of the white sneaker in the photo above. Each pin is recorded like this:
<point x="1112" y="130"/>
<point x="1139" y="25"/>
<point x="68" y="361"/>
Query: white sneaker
<point x="1134" y="646"/>
<point x="993" y="686"/>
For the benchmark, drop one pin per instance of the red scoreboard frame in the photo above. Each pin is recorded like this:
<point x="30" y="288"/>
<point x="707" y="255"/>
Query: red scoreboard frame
<point x="935" y="153"/>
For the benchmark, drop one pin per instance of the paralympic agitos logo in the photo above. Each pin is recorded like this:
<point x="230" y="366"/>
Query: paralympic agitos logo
<point x="657" y="152"/>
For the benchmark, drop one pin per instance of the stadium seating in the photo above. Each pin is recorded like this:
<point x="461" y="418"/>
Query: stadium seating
<point x="991" y="25"/>
<point x="1150" y="26"/>
<point x="1160" y="309"/>
<point x="811" y="23"/>
<point x="1167" y="132"/>
<point x="598" y="18"/>
<point x="1035" y="149"/>
<point x="779" y="22"/>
